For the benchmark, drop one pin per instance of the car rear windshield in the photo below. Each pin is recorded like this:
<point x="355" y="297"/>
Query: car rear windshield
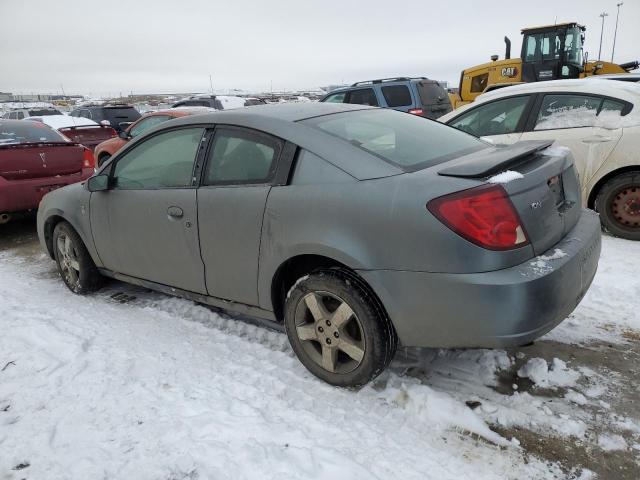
<point x="16" y="132"/>
<point x="404" y="140"/>
<point x="430" y="92"/>
<point x="115" y="115"/>
<point x="43" y="111"/>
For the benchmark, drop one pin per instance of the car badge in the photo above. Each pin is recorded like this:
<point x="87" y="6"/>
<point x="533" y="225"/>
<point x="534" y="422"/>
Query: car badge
<point x="536" y="205"/>
<point x="43" y="157"/>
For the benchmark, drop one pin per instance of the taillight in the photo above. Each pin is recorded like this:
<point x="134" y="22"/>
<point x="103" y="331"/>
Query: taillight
<point x="416" y="111"/>
<point x="483" y="215"/>
<point x="113" y="133"/>
<point x="88" y="161"/>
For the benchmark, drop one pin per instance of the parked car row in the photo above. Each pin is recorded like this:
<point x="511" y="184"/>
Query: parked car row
<point x="357" y="228"/>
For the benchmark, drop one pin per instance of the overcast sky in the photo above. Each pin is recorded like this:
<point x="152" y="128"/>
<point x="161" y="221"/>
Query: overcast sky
<point x="103" y="47"/>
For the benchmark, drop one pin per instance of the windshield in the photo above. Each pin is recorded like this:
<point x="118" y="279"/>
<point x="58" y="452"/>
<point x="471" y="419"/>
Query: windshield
<point x="546" y="46"/>
<point x="404" y="140"/>
<point x="16" y="132"/>
<point x="573" y="46"/>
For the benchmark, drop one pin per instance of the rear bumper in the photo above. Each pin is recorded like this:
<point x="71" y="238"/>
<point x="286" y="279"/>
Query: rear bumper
<point x="501" y="308"/>
<point x="22" y="195"/>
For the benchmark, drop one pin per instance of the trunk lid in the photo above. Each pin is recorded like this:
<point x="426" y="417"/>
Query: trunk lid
<point x="434" y="99"/>
<point x="541" y="183"/>
<point x="89" y="136"/>
<point x="23" y="161"/>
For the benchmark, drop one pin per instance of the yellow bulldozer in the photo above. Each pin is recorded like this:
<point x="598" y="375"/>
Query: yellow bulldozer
<point x="549" y="52"/>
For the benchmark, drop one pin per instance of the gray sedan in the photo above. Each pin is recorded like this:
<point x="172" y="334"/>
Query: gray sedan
<point x="354" y="228"/>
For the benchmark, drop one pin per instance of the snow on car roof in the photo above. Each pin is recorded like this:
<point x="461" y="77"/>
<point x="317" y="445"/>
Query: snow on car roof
<point x="229" y="102"/>
<point x="62" y="121"/>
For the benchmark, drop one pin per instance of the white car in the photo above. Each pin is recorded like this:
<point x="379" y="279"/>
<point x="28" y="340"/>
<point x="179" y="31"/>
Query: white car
<point x="598" y="120"/>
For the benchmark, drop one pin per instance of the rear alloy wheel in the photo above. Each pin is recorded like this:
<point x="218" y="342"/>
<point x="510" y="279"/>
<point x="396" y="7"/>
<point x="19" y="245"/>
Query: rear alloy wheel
<point x="75" y="265"/>
<point x="618" y="204"/>
<point x="337" y="328"/>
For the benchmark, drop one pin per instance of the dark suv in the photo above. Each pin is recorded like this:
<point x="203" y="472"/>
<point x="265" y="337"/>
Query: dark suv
<point x="119" y="116"/>
<point x="419" y="96"/>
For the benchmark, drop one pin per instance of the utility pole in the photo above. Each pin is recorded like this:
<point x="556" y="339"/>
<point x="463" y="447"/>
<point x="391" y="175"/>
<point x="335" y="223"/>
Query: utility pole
<point x="613" y="50"/>
<point x="211" y="84"/>
<point x="603" y="14"/>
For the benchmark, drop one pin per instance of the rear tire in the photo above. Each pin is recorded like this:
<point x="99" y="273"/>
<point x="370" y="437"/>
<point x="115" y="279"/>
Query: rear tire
<point x="102" y="159"/>
<point x="75" y="265"/>
<point x="338" y="329"/>
<point x="618" y="203"/>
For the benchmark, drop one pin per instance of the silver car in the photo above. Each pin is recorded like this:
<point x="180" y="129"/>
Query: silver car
<point x="353" y="228"/>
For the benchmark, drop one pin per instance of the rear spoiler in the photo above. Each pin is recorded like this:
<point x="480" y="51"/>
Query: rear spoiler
<point x="78" y="127"/>
<point x="488" y="162"/>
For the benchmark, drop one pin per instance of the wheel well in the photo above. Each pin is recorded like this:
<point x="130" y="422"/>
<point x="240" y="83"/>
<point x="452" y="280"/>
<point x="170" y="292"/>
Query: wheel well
<point x="591" y="201"/>
<point x="292" y="270"/>
<point x="49" y="225"/>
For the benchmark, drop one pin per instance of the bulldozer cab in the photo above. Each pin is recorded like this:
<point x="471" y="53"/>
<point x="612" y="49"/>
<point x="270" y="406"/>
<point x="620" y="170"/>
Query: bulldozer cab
<point x="552" y="52"/>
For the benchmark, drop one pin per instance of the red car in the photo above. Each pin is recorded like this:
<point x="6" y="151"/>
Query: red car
<point x="107" y="148"/>
<point x="78" y="129"/>
<point x="35" y="159"/>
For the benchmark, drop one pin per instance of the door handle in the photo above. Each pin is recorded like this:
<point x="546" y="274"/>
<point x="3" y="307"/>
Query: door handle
<point x="175" y="212"/>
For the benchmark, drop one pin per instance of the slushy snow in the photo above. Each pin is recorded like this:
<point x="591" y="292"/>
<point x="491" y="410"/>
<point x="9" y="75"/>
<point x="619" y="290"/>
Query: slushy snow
<point x="505" y="177"/>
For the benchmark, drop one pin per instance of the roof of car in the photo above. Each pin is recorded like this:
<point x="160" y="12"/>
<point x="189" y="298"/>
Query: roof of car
<point x="627" y="91"/>
<point x="615" y="76"/>
<point x="62" y="121"/>
<point x="283" y="120"/>
<point x="286" y="112"/>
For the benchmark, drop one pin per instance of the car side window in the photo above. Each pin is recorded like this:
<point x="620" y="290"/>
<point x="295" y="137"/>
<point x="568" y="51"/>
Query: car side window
<point x="397" y="96"/>
<point x="364" y="96"/>
<point x="567" y="111"/>
<point x="147" y="124"/>
<point x="19" y="115"/>
<point x="495" y="118"/>
<point x="336" y="98"/>
<point x="241" y="157"/>
<point x="162" y="161"/>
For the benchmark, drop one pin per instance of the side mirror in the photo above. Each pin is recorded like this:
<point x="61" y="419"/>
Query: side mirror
<point x="123" y="134"/>
<point x="124" y="125"/>
<point x="98" y="183"/>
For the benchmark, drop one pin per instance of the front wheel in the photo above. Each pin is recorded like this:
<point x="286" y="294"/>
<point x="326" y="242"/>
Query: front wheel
<point x="618" y="204"/>
<point x="75" y="265"/>
<point x="338" y="329"/>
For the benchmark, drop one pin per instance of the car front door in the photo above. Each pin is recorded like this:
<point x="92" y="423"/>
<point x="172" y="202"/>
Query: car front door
<point x="146" y="224"/>
<point x="236" y="179"/>
<point x="572" y="120"/>
<point x="501" y="121"/>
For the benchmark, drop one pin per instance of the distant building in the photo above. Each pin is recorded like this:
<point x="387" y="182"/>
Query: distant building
<point x="6" y="97"/>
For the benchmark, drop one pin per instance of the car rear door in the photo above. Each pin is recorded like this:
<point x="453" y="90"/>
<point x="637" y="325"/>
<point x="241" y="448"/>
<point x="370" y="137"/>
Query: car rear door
<point x="240" y="168"/>
<point x="572" y="121"/>
<point x="146" y="225"/>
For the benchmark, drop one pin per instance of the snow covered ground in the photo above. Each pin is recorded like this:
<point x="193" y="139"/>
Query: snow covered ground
<point x="129" y="383"/>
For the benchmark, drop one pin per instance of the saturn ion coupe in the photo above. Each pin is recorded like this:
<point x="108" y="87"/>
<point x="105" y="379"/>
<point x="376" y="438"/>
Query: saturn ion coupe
<point x="356" y="229"/>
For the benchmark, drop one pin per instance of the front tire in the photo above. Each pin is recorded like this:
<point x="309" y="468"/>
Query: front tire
<point x="338" y="328"/>
<point x="618" y="204"/>
<point x="75" y="265"/>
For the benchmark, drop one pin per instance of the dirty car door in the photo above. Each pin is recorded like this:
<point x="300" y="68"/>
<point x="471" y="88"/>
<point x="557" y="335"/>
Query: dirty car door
<point x="236" y="180"/>
<point x="145" y="226"/>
